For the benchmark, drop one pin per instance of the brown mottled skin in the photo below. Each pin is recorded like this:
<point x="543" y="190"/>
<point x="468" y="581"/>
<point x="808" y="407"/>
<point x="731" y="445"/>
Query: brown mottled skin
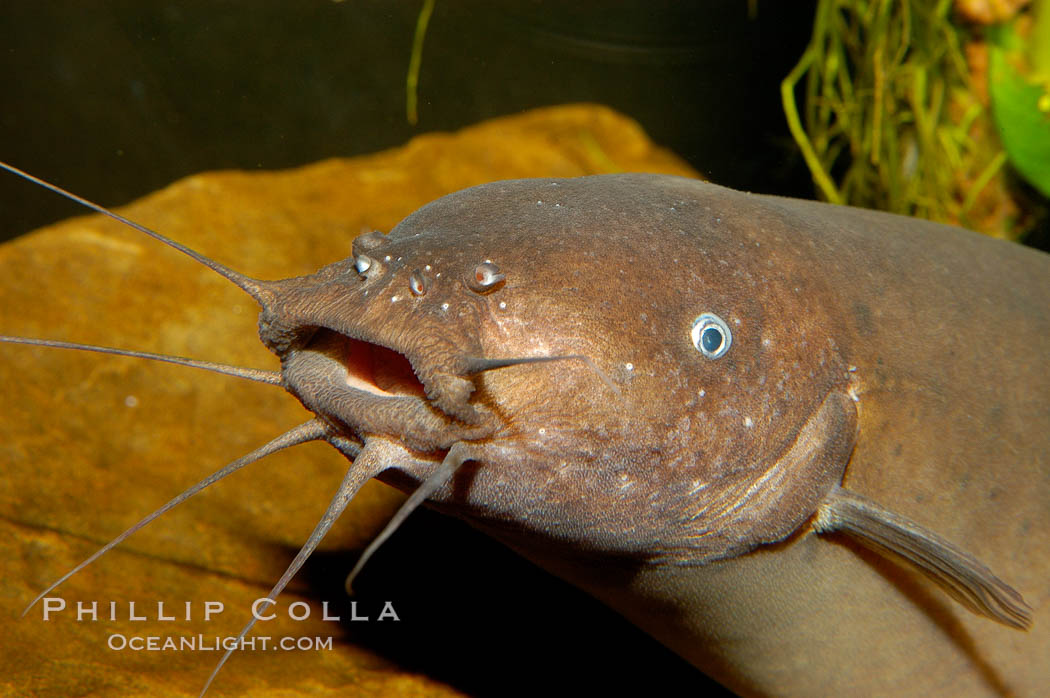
<point x="902" y="358"/>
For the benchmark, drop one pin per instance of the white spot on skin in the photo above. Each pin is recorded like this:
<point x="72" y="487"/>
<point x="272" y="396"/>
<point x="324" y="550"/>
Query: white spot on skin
<point x="387" y="258"/>
<point x="748" y="422"/>
<point x="702" y="392"/>
<point x="766" y="342"/>
<point x="395" y="299"/>
<point x="629" y="366"/>
<point x="131" y="401"/>
<point x="444" y="306"/>
<point x="427" y="267"/>
<point x="542" y="431"/>
<point x="503" y="305"/>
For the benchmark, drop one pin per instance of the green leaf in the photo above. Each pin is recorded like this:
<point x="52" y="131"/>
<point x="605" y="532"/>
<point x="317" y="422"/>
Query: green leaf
<point x="1021" y="109"/>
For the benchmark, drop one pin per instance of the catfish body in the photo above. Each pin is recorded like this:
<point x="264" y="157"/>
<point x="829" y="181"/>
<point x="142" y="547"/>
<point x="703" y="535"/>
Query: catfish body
<point x="953" y="431"/>
<point x="543" y="343"/>
<point x="902" y="358"/>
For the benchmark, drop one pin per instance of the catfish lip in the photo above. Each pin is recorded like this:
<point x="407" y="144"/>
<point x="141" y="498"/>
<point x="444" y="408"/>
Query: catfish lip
<point x="369" y="390"/>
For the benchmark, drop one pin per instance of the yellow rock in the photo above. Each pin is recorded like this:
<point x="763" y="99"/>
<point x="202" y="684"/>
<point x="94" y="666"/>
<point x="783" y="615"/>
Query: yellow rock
<point x="90" y="443"/>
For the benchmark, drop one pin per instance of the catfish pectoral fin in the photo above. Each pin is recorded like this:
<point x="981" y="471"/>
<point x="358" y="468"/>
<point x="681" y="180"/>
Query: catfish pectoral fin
<point x="960" y="574"/>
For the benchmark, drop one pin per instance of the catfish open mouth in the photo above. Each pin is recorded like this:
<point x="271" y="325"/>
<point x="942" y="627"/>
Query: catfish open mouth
<point x="370" y="390"/>
<point x="375" y="369"/>
<point x="364" y="366"/>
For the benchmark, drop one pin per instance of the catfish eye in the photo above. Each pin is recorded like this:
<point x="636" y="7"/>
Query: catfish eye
<point x="711" y="336"/>
<point x="485" y="277"/>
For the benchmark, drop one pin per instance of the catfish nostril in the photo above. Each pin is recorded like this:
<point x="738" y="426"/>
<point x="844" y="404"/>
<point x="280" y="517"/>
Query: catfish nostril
<point x="417" y="283"/>
<point x="369" y="267"/>
<point x="363" y="263"/>
<point x="485" y="277"/>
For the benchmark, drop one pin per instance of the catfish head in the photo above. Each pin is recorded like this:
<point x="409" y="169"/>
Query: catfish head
<point x="621" y="364"/>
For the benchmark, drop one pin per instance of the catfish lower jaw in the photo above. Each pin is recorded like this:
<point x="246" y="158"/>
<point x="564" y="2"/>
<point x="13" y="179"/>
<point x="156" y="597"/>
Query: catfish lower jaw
<point x="370" y="389"/>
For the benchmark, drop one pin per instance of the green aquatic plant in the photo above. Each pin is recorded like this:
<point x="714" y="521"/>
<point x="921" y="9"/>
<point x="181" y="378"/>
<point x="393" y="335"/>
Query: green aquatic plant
<point x="890" y="117"/>
<point x="414" y="61"/>
<point x="1019" y="87"/>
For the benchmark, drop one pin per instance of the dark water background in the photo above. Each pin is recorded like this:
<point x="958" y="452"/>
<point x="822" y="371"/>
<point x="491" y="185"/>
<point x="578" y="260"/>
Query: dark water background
<point x="118" y="98"/>
<point x="114" y="99"/>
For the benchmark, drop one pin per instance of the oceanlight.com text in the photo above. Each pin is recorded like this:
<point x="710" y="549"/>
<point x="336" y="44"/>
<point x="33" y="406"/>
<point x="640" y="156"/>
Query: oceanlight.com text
<point x="215" y="643"/>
